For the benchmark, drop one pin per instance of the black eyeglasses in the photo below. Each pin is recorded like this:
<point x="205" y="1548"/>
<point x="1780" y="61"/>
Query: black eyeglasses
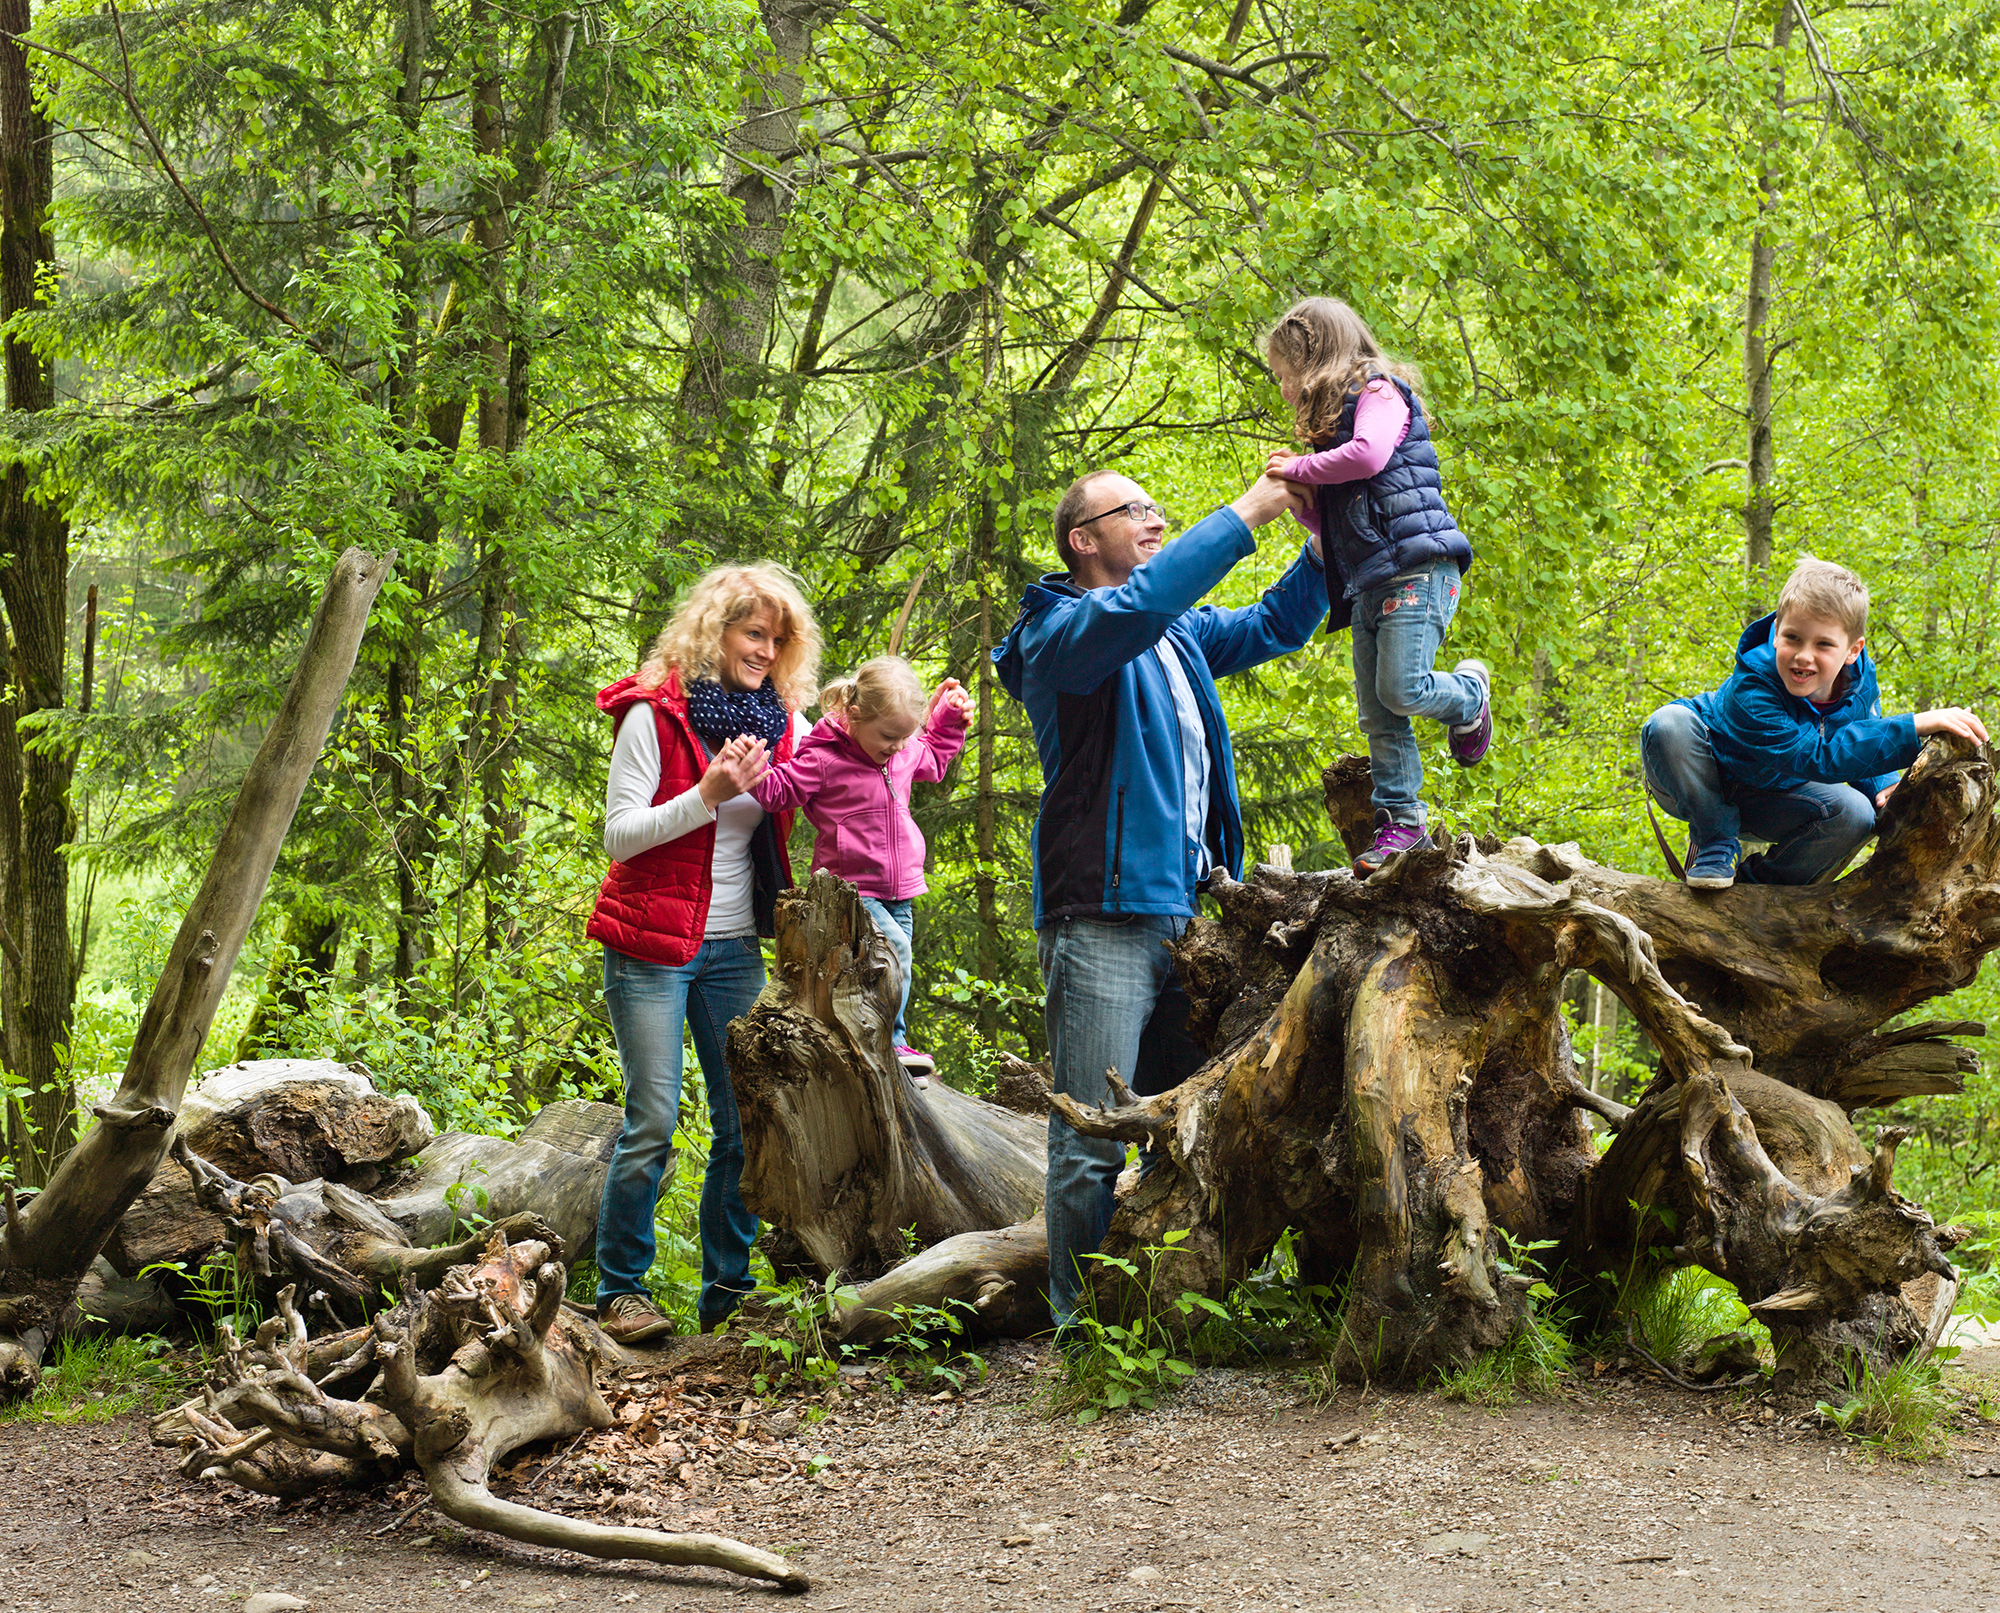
<point x="1136" y="510"/>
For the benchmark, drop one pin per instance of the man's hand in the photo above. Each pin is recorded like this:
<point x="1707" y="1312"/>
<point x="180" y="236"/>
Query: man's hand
<point x="1265" y="499"/>
<point x="740" y="763"/>
<point x="1882" y="797"/>
<point x="1949" y="720"/>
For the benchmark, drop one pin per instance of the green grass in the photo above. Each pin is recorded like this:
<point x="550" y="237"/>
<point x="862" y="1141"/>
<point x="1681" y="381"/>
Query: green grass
<point x="95" y="1380"/>
<point x="1529" y="1366"/>
<point x="1902" y="1413"/>
<point x="1675" y="1311"/>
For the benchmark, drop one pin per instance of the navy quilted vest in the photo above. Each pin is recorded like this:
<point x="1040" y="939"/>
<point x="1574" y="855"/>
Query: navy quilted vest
<point x="1392" y="523"/>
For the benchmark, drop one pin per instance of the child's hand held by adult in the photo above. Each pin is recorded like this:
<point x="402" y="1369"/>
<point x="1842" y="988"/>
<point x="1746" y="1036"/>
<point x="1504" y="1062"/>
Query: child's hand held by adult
<point x="737" y="766"/>
<point x="952" y="693"/>
<point x="1952" y="720"/>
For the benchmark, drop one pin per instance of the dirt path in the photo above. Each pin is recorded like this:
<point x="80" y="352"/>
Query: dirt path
<point x="1233" y="1495"/>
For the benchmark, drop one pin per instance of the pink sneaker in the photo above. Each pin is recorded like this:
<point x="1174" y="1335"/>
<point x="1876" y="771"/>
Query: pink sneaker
<point x="918" y="1066"/>
<point x="1391" y="839"/>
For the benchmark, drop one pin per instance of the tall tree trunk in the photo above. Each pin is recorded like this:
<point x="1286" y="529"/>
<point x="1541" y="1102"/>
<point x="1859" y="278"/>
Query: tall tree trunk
<point x="1759" y="353"/>
<point x="732" y="326"/>
<point x="34" y="582"/>
<point x="47" y="1246"/>
<point x="986" y="843"/>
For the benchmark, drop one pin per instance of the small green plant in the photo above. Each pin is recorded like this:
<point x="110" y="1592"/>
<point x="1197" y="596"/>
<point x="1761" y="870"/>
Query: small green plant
<point x="1901" y="1413"/>
<point x="1121" y="1364"/>
<point x="468" y="1203"/>
<point x="220" y="1289"/>
<point x="926" y="1343"/>
<point x="1676" y="1310"/>
<point x="796" y="1314"/>
<point x="94" y="1380"/>
<point x="1532" y="1362"/>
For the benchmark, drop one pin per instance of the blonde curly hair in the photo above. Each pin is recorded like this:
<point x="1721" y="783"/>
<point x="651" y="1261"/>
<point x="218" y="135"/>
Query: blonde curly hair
<point x="1330" y="351"/>
<point x="691" y="642"/>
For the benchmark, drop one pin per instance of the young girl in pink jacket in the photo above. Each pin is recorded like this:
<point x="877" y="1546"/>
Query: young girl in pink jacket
<point x="852" y="775"/>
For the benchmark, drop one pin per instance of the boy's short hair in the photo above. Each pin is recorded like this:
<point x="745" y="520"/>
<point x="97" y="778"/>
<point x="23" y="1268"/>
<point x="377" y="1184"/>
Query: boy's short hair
<point x="1832" y="593"/>
<point x="1069" y="513"/>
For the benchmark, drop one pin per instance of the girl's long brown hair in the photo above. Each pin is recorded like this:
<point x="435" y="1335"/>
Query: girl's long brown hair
<point x="1332" y="353"/>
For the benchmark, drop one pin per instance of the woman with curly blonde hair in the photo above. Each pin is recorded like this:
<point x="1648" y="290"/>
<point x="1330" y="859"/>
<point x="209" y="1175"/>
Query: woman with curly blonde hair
<point x="696" y="867"/>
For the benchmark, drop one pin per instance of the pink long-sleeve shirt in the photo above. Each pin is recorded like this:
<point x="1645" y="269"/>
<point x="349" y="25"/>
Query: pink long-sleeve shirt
<point x="1381" y="422"/>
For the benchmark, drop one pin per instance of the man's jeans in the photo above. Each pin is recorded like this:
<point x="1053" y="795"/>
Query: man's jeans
<point x="650" y="1005"/>
<point x="1114" y="1002"/>
<point x="899" y="929"/>
<point x="1397" y="630"/>
<point x="1812" y="830"/>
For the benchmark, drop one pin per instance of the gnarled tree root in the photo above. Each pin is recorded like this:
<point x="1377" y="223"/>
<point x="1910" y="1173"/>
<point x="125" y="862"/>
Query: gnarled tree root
<point x="504" y="1369"/>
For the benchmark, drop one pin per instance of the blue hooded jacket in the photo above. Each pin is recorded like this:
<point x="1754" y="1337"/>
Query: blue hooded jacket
<point x="1110" y="837"/>
<point x="1765" y="738"/>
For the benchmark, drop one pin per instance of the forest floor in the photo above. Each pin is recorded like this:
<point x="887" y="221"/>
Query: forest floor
<point x="1236" y="1493"/>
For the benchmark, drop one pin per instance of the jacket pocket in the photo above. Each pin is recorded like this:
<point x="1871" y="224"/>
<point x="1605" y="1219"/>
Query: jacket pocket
<point x="1118" y="841"/>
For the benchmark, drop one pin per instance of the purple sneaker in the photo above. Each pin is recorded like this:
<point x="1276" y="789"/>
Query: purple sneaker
<point x="1391" y="839"/>
<point x="1469" y="740"/>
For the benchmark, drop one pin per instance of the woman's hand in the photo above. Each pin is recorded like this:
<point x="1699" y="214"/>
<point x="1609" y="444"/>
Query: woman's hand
<point x="952" y="693"/>
<point x="740" y="763"/>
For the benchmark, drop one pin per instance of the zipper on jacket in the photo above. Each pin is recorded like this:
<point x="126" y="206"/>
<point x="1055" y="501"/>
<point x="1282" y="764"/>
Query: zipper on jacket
<point x="889" y="789"/>
<point x="1118" y="841"/>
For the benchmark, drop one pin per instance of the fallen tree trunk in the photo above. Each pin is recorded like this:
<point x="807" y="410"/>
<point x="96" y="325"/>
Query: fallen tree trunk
<point x="48" y="1245"/>
<point x="461" y="1377"/>
<point x="1391" y="1077"/>
<point x="843" y="1154"/>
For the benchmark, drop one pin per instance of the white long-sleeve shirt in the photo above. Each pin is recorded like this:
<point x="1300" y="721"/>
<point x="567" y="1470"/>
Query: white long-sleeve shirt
<point x="632" y="823"/>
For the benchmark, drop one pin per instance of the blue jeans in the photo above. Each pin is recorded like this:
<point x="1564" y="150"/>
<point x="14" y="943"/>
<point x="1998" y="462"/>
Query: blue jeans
<point x="1397" y="630"/>
<point x="1812" y="829"/>
<point x="650" y="1005"/>
<point x="1114" y="1002"/>
<point x="899" y="929"/>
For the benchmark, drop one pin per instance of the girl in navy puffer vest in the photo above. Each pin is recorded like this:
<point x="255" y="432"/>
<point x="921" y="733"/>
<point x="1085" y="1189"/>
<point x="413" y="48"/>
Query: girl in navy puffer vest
<point x="1394" y="555"/>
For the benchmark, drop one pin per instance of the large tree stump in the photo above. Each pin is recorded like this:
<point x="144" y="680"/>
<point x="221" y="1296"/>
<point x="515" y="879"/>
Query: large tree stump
<point x="843" y="1154"/>
<point x="455" y="1380"/>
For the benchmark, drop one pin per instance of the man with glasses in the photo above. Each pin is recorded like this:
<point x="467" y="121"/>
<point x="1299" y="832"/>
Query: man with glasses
<point x="1116" y="660"/>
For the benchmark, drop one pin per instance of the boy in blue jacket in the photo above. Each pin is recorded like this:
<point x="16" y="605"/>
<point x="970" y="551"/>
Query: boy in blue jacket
<point x="1793" y="749"/>
<point x="1116" y="659"/>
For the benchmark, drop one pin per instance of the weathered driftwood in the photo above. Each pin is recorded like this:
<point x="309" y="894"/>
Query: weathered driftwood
<point x="843" y="1154"/>
<point x="346" y="1250"/>
<point x="455" y="1380"/>
<point x="299" y="1119"/>
<point x="1391" y="1075"/>
<point x="48" y="1245"/>
<point x="995" y="1284"/>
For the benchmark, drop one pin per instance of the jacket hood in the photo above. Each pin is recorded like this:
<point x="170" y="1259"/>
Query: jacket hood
<point x="1757" y="657"/>
<point x="1037" y="597"/>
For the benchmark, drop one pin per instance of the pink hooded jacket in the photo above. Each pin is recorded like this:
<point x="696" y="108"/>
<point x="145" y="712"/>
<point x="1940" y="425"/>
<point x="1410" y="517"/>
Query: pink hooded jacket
<point x="860" y="808"/>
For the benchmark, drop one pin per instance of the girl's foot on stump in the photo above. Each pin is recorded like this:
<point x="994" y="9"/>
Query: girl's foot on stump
<point x="1391" y="838"/>
<point x="918" y="1066"/>
<point x="1469" y="741"/>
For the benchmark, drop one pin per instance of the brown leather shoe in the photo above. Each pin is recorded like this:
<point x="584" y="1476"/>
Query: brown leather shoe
<point x="634" y="1319"/>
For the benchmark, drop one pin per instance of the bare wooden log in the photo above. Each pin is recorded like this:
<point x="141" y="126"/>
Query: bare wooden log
<point x="49" y="1246"/>
<point x="995" y="1283"/>
<point x="484" y="1365"/>
<point x="842" y="1153"/>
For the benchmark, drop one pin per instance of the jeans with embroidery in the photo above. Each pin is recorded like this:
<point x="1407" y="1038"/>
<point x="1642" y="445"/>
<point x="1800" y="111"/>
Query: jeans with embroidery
<point x="651" y="1005"/>
<point x="899" y="929"/>
<point x="1397" y="630"/>
<point x="1812" y="830"/>
<point x="1114" y="1002"/>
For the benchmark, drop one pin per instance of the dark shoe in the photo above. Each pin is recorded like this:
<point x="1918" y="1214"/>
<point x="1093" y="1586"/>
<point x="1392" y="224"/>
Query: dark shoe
<point x="1391" y="839"/>
<point x="634" y="1319"/>
<point x="1469" y="741"/>
<point x="1712" y="867"/>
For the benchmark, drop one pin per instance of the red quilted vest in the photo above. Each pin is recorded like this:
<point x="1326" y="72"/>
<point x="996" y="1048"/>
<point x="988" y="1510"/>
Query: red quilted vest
<point x="655" y="907"/>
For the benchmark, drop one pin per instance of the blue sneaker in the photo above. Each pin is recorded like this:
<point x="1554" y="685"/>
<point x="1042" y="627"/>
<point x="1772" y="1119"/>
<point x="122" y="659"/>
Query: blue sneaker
<point x="1713" y="865"/>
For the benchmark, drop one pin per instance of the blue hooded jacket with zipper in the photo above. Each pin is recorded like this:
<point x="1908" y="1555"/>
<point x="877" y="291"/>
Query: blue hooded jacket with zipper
<point x="1765" y="738"/>
<point x="1110" y="838"/>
